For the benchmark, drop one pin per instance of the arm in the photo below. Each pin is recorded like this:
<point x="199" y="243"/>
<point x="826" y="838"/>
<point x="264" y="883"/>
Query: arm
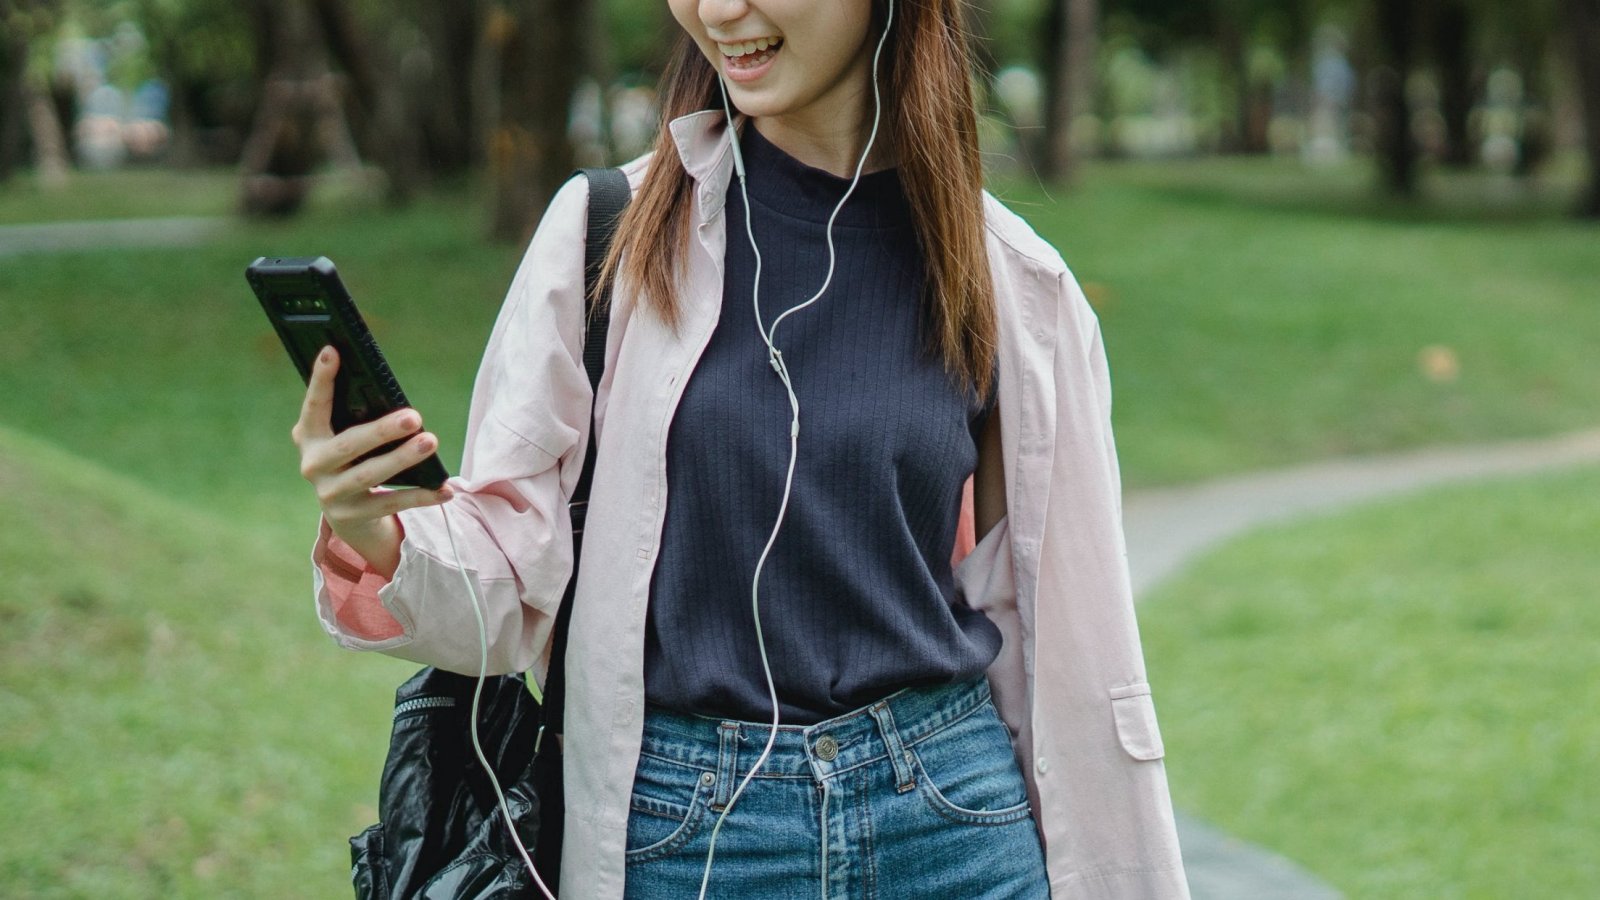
<point x="526" y="430"/>
<point x="989" y="480"/>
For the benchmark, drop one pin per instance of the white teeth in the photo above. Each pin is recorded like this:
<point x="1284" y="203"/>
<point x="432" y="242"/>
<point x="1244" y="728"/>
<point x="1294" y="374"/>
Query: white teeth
<point x="747" y="47"/>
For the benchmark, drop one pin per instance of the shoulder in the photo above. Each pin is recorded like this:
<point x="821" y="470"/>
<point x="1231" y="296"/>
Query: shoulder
<point x="1016" y="241"/>
<point x="571" y="201"/>
<point x="1033" y="284"/>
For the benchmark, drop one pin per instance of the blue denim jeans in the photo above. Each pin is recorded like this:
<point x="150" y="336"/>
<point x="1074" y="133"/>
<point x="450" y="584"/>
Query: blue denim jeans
<point x="915" y="796"/>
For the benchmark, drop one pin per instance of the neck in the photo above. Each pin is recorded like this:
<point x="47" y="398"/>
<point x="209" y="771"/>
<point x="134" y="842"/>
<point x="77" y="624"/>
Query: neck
<point x="833" y="147"/>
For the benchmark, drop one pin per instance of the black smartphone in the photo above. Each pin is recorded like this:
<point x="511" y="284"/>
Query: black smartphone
<point x="310" y="309"/>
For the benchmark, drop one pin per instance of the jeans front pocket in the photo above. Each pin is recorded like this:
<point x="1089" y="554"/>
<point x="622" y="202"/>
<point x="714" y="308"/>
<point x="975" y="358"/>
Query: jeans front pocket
<point x="967" y="773"/>
<point x="669" y="803"/>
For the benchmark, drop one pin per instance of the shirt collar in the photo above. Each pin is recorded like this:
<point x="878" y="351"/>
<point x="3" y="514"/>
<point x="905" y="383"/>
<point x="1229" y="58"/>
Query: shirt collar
<point x="703" y="146"/>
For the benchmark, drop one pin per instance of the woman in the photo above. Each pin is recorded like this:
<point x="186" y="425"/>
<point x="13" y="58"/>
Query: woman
<point x="780" y="677"/>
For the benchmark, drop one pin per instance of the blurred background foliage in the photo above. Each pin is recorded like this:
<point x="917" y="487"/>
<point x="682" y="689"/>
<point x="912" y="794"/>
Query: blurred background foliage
<point x="412" y="93"/>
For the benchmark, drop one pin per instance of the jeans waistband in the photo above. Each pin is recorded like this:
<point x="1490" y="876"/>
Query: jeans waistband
<point x="873" y="733"/>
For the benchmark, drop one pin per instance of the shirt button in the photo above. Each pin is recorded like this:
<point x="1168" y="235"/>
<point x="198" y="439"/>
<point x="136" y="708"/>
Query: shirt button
<point x="1043" y="765"/>
<point x="827" y="748"/>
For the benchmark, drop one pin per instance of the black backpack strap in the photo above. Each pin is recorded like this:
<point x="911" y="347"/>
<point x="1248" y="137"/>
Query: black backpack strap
<point x="609" y="194"/>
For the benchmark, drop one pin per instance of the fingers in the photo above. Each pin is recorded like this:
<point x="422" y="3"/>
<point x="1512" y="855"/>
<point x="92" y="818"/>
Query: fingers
<point x="329" y="455"/>
<point x="362" y="477"/>
<point x="356" y="495"/>
<point x="340" y="451"/>
<point x="347" y="490"/>
<point x="316" y="413"/>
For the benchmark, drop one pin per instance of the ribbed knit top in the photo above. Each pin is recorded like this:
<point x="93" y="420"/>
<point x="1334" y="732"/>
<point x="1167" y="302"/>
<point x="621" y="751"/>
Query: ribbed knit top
<point x="856" y="595"/>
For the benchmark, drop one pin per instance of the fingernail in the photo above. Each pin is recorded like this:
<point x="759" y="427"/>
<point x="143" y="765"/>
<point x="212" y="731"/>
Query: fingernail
<point x="326" y="355"/>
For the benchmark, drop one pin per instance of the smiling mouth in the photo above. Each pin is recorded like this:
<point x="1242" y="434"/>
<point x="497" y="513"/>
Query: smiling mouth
<point x="750" y="54"/>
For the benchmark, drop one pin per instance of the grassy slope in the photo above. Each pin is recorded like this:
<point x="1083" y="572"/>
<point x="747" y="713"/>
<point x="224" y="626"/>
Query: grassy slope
<point x="1256" y="315"/>
<point x="1241" y="334"/>
<point x="176" y="725"/>
<point x="128" y="194"/>
<point x="161" y="365"/>
<point x="1401" y="697"/>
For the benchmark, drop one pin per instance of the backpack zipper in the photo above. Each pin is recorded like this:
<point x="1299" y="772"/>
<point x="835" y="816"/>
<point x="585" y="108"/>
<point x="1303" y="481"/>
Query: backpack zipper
<point x="417" y="704"/>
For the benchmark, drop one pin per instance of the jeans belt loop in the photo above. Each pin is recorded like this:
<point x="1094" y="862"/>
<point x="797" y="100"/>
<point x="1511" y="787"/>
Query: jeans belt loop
<point x="727" y="764"/>
<point x="899" y="754"/>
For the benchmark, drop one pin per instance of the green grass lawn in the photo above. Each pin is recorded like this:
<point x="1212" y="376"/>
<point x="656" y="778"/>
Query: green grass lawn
<point x="124" y="194"/>
<point x="161" y="365"/>
<point x="1257" y="316"/>
<point x="1400" y="698"/>
<point x="175" y="724"/>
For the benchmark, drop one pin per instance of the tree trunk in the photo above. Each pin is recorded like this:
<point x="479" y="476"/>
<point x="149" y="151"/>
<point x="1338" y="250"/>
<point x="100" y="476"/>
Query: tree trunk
<point x="1235" y="136"/>
<point x="51" y="160"/>
<point x="282" y="148"/>
<point x="1073" y="29"/>
<point x="1452" y="29"/>
<point x="448" y="107"/>
<point x="13" y="103"/>
<point x="386" y="128"/>
<point x="1536" y="140"/>
<point x="542" y="57"/>
<point x="1582" y="18"/>
<point x="1396" y="39"/>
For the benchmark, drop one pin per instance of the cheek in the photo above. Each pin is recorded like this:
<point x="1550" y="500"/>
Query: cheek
<point x="684" y="12"/>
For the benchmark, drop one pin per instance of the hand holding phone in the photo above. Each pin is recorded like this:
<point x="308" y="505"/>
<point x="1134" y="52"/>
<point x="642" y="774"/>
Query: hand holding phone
<point x="357" y="432"/>
<point x="344" y="471"/>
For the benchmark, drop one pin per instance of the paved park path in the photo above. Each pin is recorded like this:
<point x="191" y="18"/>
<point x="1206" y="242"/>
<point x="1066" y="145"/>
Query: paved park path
<point x="65" y="237"/>
<point x="1167" y="528"/>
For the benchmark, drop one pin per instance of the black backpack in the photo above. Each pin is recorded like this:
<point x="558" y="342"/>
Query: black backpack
<point x="440" y="834"/>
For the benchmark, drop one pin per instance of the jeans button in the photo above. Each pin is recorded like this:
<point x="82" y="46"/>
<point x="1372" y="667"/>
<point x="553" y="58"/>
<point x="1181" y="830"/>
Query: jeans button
<point x="827" y="748"/>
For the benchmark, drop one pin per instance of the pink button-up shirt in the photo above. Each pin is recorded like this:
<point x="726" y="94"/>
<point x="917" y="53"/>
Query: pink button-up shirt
<point x="1070" y="679"/>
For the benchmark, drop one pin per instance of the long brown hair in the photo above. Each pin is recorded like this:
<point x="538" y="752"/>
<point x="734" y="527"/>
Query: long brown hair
<point x="930" y="121"/>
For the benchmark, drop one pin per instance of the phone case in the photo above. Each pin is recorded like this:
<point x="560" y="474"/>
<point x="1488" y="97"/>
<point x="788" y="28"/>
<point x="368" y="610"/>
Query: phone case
<point x="310" y="308"/>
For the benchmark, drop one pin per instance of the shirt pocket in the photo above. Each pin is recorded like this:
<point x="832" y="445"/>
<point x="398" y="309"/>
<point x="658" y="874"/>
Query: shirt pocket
<point x="1135" y="714"/>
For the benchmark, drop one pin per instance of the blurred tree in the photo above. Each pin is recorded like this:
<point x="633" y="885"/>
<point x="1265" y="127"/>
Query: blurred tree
<point x="386" y="129"/>
<point x="14" y="29"/>
<point x="1460" y="78"/>
<point x="200" y="48"/>
<point x="541" y="50"/>
<point x="1527" y="41"/>
<point x="639" y="36"/>
<point x="414" y="70"/>
<point x="1071" y="47"/>
<point x="1241" y="35"/>
<point x="450" y="107"/>
<point x="1395" y="26"/>
<point x="1582" y="21"/>
<point x="21" y="23"/>
<point x="299" y="122"/>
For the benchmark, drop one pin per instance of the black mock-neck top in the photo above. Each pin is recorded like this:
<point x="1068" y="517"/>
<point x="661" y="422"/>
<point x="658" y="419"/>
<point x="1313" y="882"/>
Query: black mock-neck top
<point x="857" y="597"/>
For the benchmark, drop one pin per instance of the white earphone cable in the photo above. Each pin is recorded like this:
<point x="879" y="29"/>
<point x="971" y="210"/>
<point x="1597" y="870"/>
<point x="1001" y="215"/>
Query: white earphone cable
<point x="477" y="692"/>
<point x="775" y="358"/>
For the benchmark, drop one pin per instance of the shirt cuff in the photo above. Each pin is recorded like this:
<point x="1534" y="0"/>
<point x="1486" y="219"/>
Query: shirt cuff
<point x="353" y="585"/>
